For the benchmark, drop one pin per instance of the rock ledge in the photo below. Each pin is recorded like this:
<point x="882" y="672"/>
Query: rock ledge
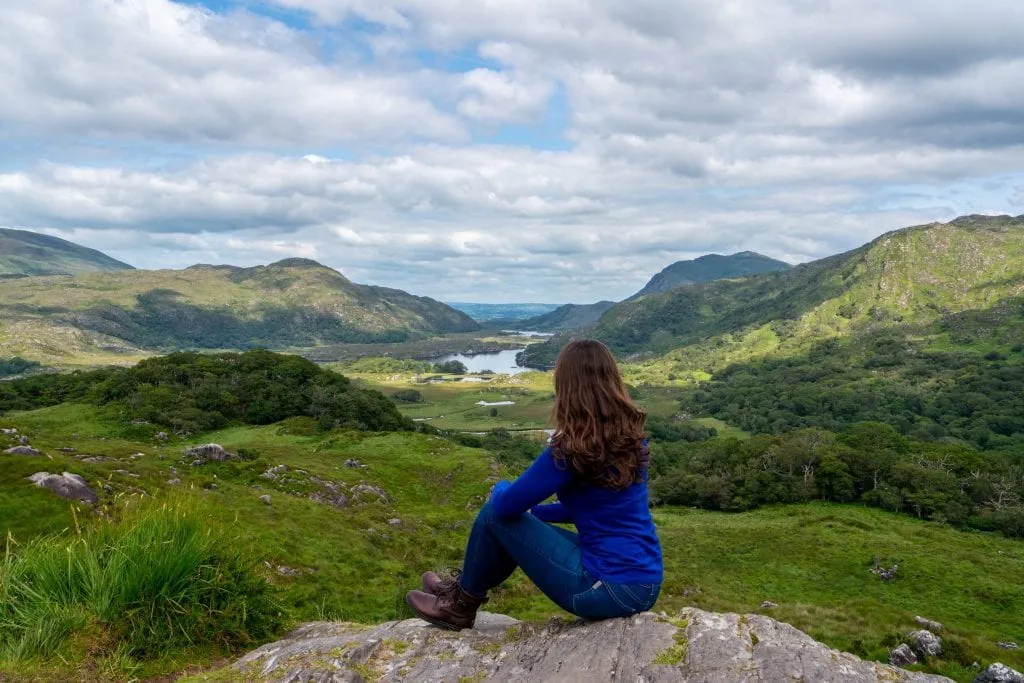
<point x="692" y="646"/>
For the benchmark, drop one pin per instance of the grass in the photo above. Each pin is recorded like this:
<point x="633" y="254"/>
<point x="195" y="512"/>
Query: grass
<point x="160" y="579"/>
<point x="353" y="564"/>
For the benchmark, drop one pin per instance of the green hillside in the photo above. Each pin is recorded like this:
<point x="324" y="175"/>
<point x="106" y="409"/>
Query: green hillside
<point x="915" y="275"/>
<point x="708" y="268"/>
<point x="291" y="303"/>
<point x="354" y="562"/>
<point x="24" y="253"/>
<point x="567" y="317"/>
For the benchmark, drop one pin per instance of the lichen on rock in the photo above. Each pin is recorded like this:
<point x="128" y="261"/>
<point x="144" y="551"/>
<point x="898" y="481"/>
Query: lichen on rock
<point x="692" y="646"/>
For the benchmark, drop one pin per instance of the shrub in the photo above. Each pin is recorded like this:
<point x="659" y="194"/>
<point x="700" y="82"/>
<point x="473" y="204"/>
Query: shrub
<point x="156" y="580"/>
<point x="407" y="396"/>
<point x="451" y="367"/>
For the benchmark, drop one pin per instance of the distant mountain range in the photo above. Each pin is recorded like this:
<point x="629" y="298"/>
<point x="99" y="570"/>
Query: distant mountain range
<point x="709" y="268"/>
<point x="24" y="253"/>
<point x="501" y="313"/>
<point x="291" y="303"/>
<point x="914" y="275"/>
<point x="681" y="273"/>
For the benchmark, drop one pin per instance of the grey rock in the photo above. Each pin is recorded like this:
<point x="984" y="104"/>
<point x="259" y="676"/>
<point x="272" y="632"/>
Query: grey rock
<point x="885" y="573"/>
<point x="925" y="643"/>
<point x="197" y="463"/>
<point x="933" y="626"/>
<point x="161" y="436"/>
<point x="695" y="646"/>
<point x="274" y="472"/>
<point x="361" y="491"/>
<point x="338" y="500"/>
<point x="8" y="432"/>
<point x="23" y="440"/>
<point x="999" y="673"/>
<point x="395" y="522"/>
<point x="353" y="463"/>
<point x="902" y="656"/>
<point x="92" y="459"/>
<point x="67" y="449"/>
<point x="66" y="485"/>
<point x="1007" y="645"/>
<point x="22" y="450"/>
<point x="173" y="482"/>
<point x="768" y="604"/>
<point x="265" y="499"/>
<point x="210" y="451"/>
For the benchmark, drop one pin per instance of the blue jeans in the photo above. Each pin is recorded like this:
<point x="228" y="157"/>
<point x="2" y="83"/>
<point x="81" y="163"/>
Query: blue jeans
<point x="550" y="556"/>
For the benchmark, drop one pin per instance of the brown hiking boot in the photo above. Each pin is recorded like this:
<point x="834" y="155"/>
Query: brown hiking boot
<point x="452" y="608"/>
<point x="434" y="583"/>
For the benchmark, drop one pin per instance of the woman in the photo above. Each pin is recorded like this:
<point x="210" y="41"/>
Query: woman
<point x="597" y="465"/>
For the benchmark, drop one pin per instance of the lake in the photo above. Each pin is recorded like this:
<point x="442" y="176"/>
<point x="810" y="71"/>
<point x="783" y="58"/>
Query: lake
<point x="499" y="361"/>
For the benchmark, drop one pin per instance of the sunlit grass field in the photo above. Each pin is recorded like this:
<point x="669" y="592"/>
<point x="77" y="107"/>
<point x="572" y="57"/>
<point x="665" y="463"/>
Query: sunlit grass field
<point x="355" y="563"/>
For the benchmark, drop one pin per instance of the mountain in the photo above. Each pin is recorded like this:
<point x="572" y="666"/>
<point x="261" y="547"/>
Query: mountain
<point x="703" y="269"/>
<point x="291" y="303"/>
<point x="710" y="267"/>
<point x="916" y="274"/>
<point x="567" y="317"/>
<point x="24" y="253"/>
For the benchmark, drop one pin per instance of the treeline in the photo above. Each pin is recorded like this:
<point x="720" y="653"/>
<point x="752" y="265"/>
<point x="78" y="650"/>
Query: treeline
<point x="976" y="397"/>
<point x="192" y="392"/>
<point x="15" y="366"/>
<point x="868" y="462"/>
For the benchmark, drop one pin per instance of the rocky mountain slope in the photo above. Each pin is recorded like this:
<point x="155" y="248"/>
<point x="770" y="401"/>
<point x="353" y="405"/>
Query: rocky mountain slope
<point x="24" y="253"/>
<point x="915" y="275"/>
<point x="711" y="267"/>
<point x="567" y="317"/>
<point x="704" y="269"/>
<point x="291" y="303"/>
<point x="693" y="646"/>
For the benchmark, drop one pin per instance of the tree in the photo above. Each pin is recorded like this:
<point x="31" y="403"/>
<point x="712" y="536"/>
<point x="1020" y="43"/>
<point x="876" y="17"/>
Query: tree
<point x="451" y="367"/>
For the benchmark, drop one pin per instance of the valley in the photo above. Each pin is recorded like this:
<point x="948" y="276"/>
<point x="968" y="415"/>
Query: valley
<point x="809" y="424"/>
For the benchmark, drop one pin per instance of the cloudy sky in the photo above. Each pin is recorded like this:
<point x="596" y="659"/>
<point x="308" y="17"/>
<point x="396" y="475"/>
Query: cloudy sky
<point x="504" y="150"/>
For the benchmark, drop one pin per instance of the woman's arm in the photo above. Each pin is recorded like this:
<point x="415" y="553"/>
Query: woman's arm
<point x="555" y="512"/>
<point x="536" y="484"/>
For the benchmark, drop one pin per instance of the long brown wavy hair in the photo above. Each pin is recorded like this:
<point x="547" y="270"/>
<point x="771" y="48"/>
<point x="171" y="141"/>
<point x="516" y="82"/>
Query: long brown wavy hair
<point x="599" y="432"/>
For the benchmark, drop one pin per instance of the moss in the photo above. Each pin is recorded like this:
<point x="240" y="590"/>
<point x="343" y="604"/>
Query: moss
<point x="675" y="654"/>
<point x="487" y="647"/>
<point x="364" y="671"/>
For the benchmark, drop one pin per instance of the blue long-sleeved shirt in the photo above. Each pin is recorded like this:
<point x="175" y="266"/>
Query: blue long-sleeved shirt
<point x="618" y="540"/>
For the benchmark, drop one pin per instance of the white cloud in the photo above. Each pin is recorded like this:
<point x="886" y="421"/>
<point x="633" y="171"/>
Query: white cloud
<point x="154" y="69"/>
<point x="566" y="150"/>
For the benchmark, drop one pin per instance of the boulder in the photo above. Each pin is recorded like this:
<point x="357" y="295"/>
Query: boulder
<point x="265" y="499"/>
<point x="22" y="450"/>
<point x="999" y="673"/>
<point x="902" y="656"/>
<point x="8" y="432"/>
<point x="1007" y="645"/>
<point x="925" y="643"/>
<point x="66" y="485"/>
<point x="361" y="491"/>
<point x="933" y="626"/>
<point x="693" y="646"/>
<point x="768" y="604"/>
<point x="210" y="451"/>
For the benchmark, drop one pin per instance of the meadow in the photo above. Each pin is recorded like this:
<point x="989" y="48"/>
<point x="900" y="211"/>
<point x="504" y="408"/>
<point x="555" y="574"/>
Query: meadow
<point x="356" y="562"/>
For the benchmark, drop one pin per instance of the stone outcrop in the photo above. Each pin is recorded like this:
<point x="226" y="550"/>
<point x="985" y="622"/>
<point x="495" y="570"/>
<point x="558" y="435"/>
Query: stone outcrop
<point x="926" y="643"/>
<point x="208" y="452"/>
<point x="66" y="485"/>
<point x="999" y="673"/>
<point x="22" y="450"/>
<point x="692" y="646"/>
